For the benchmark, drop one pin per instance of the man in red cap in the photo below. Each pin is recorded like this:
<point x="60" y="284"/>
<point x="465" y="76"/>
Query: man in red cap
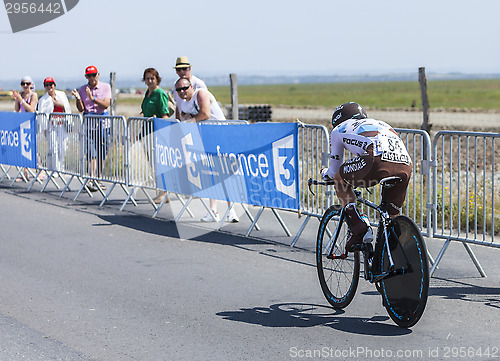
<point x="94" y="99"/>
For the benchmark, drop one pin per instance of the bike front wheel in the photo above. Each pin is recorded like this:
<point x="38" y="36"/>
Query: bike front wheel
<point x="405" y="295"/>
<point x="338" y="276"/>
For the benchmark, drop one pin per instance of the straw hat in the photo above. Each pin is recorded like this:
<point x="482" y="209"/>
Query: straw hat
<point x="182" y="62"/>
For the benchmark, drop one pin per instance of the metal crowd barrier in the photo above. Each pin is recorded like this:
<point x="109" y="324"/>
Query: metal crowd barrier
<point x="465" y="190"/>
<point x="253" y="220"/>
<point x="104" y="151"/>
<point x="418" y="203"/>
<point x="141" y="170"/>
<point x="58" y="147"/>
<point x="26" y="173"/>
<point x="314" y="150"/>
<point x="6" y="174"/>
<point x="452" y="194"/>
<point x="141" y="153"/>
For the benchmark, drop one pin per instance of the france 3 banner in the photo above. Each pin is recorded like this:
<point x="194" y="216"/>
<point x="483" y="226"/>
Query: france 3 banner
<point x="18" y="139"/>
<point x="244" y="163"/>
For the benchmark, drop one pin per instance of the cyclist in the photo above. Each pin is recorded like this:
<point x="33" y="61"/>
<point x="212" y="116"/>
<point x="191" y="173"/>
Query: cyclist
<point x="380" y="153"/>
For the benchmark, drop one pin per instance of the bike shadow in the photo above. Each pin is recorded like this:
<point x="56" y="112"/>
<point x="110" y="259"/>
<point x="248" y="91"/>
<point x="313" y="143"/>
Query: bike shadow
<point x="309" y="315"/>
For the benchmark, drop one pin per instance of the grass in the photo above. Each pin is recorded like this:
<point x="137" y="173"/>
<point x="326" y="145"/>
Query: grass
<point x="449" y="94"/>
<point x="474" y="94"/>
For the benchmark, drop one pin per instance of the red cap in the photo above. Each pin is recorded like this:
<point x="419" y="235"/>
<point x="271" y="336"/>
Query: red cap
<point x="91" y="70"/>
<point x="49" y="80"/>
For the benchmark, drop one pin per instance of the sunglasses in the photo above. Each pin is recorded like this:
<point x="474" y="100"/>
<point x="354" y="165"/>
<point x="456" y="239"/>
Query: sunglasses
<point x="179" y="69"/>
<point x="25" y="83"/>
<point x="48" y="84"/>
<point x="91" y="75"/>
<point x="183" y="88"/>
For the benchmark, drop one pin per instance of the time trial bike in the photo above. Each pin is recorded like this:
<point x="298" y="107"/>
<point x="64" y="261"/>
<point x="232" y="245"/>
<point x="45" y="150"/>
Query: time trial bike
<point x="397" y="265"/>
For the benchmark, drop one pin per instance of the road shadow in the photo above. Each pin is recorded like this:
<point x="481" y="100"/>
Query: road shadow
<point x="179" y="230"/>
<point x="459" y="290"/>
<point x="165" y="228"/>
<point x="308" y="315"/>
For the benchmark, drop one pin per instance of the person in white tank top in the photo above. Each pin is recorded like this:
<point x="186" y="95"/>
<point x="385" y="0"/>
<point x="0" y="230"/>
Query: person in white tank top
<point x="200" y="105"/>
<point x="197" y="104"/>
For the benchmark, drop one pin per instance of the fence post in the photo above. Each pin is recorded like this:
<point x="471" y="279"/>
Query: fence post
<point x="234" y="96"/>
<point x="422" y="79"/>
<point x="112" y="82"/>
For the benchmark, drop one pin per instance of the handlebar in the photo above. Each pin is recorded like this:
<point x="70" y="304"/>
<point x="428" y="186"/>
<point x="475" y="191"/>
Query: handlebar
<point x="311" y="182"/>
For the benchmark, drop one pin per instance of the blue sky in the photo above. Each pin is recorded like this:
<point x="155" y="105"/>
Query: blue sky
<point x="258" y="37"/>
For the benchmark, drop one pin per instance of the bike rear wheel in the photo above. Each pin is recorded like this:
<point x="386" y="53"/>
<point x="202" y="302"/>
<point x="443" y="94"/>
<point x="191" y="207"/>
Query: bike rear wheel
<point x="405" y="295"/>
<point x="338" y="277"/>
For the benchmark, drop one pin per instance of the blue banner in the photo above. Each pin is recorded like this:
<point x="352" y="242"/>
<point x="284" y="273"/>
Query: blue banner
<point x="252" y="164"/>
<point x="18" y="139"/>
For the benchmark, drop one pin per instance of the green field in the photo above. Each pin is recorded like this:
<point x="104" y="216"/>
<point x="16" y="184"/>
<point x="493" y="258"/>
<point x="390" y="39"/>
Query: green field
<point x="448" y="94"/>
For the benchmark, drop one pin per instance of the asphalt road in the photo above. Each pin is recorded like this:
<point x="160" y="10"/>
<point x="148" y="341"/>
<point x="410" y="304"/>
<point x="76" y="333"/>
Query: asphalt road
<point x="82" y="282"/>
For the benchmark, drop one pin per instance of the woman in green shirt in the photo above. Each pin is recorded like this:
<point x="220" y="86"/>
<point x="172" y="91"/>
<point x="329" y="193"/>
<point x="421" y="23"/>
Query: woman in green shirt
<point x="155" y="104"/>
<point x="156" y="100"/>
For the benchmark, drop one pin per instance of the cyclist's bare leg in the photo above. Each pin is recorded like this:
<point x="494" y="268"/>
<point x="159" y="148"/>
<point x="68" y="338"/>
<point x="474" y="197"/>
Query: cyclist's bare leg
<point x="344" y="191"/>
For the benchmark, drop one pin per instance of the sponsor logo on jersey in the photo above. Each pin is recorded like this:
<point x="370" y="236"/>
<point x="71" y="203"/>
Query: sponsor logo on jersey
<point x="356" y="143"/>
<point x="354" y="165"/>
<point x="396" y="157"/>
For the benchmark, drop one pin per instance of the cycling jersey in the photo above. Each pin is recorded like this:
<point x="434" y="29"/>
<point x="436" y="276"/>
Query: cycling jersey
<point x="362" y="137"/>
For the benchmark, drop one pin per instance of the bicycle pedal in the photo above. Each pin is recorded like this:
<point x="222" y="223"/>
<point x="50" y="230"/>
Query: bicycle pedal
<point x="337" y="256"/>
<point x="379" y="277"/>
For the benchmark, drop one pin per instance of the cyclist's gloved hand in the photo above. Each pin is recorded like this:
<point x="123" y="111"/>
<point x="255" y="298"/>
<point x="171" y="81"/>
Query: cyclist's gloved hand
<point x="324" y="176"/>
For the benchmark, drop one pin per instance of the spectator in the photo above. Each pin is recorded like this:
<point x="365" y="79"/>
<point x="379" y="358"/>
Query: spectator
<point x="183" y="69"/>
<point x="155" y="104"/>
<point x="200" y="105"/>
<point x="25" y="101"/>
<point x="156" y="100"/>
<point x="94" y="98"/>
<point x="55" y="101"/>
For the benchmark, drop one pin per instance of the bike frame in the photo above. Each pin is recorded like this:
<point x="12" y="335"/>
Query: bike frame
<point x="384" y="220"/>
<point x="397" y="241"/>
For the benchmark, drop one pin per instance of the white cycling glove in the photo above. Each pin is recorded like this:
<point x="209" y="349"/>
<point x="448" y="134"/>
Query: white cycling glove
<point x="324" y="176"/>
